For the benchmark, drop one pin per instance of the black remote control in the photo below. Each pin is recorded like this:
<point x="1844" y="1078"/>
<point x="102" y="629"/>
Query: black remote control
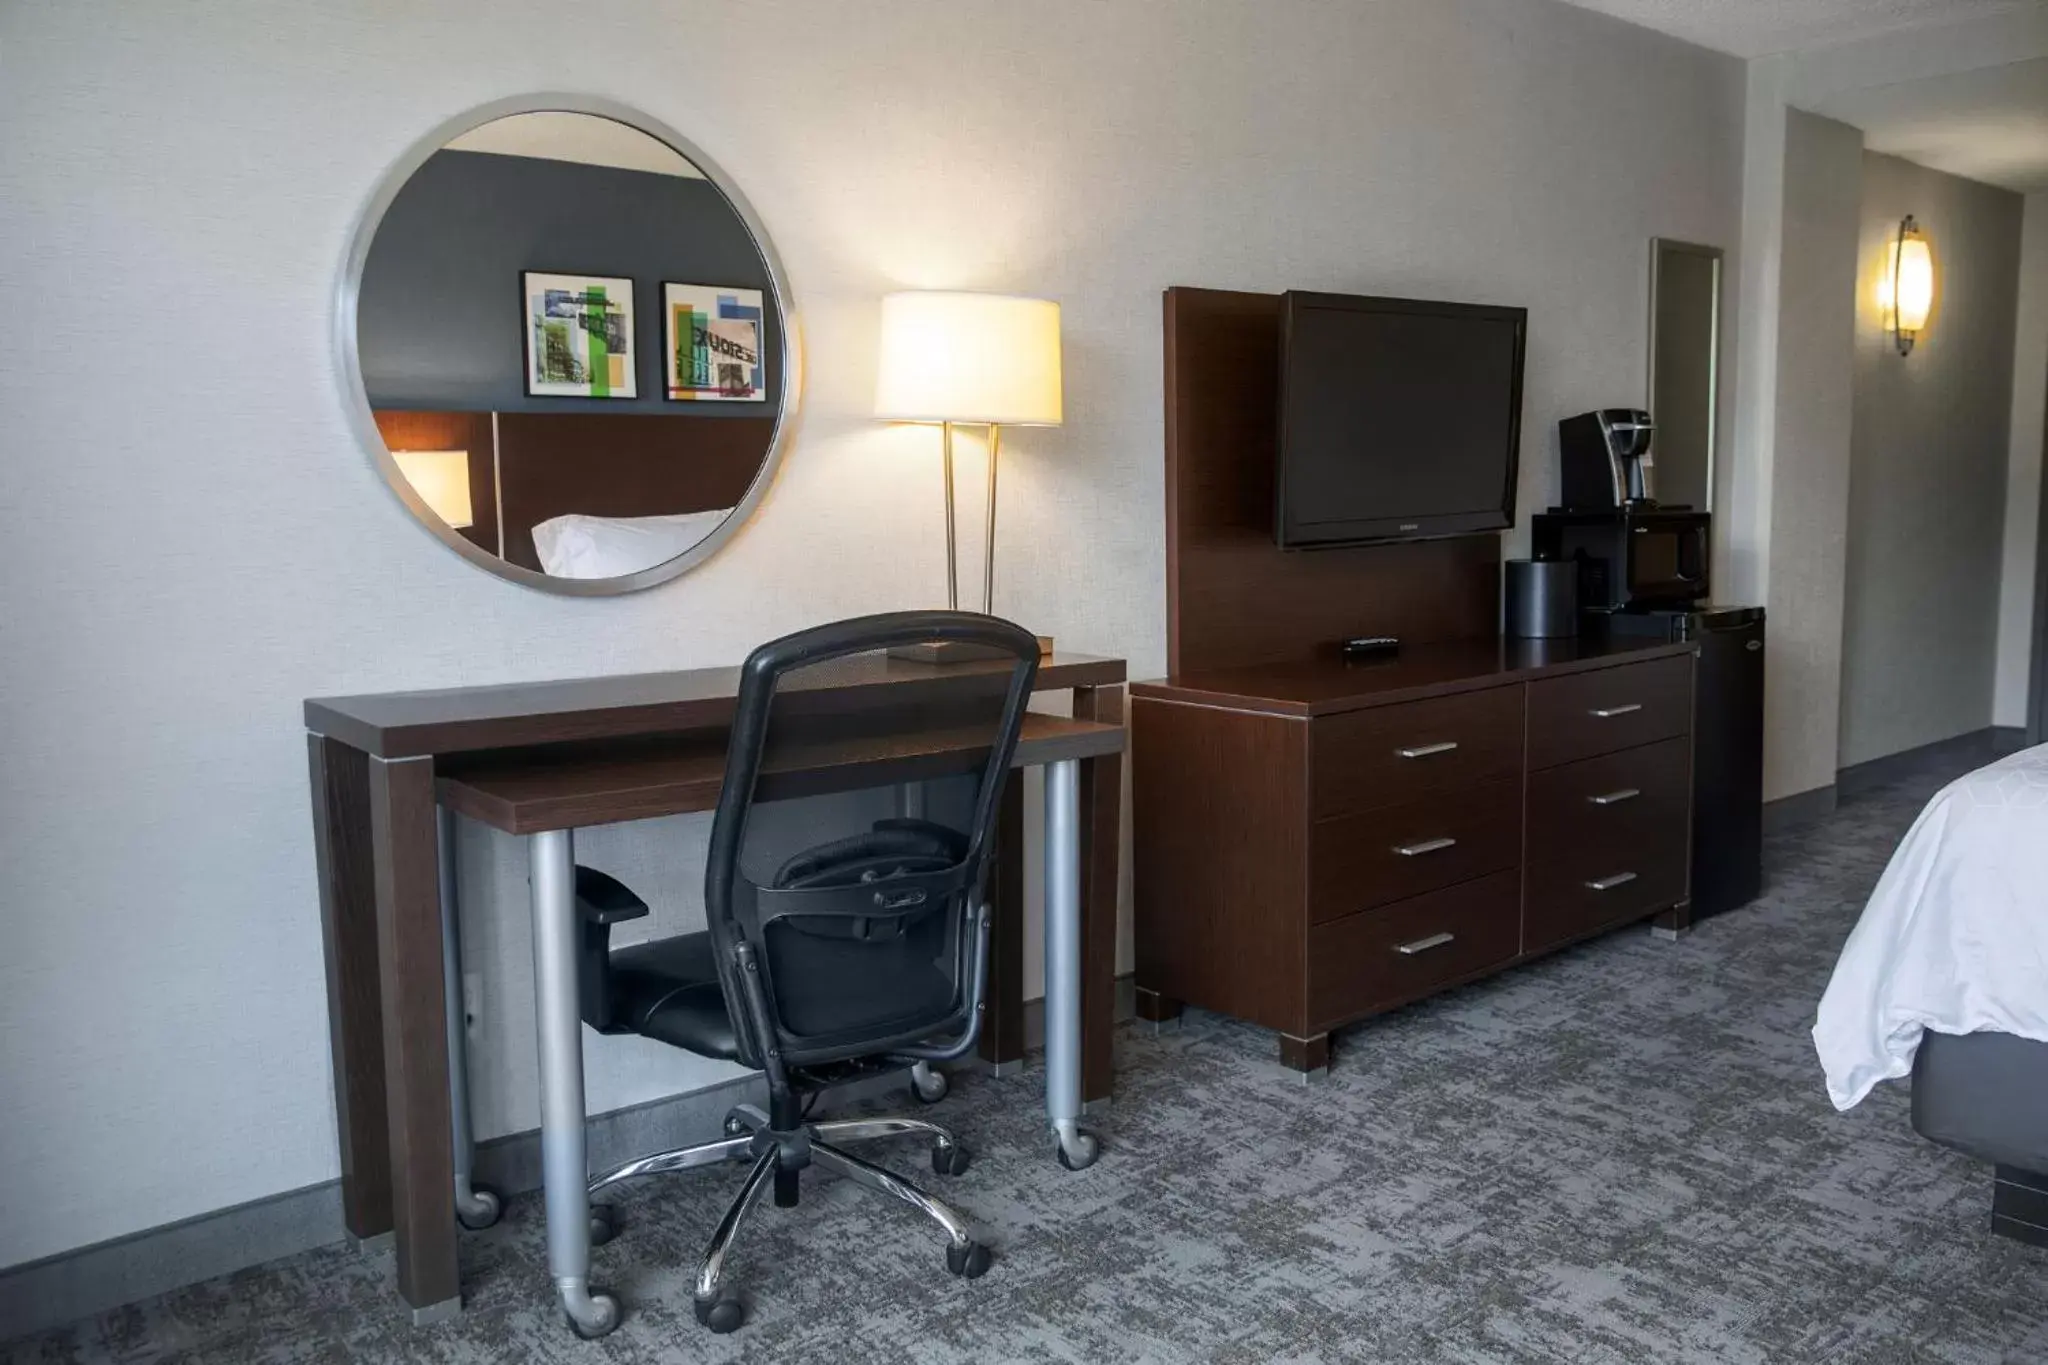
<point x="1372" y="646"/>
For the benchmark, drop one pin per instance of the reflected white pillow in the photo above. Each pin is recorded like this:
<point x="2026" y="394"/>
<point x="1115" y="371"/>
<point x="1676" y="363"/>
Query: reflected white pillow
<point x="579" y="546"/>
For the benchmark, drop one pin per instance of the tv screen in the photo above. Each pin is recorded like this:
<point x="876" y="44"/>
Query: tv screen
<point x="1399" y="419"/>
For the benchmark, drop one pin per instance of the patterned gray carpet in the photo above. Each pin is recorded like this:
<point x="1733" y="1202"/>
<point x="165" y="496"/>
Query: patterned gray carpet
<point x="1621" y="1154"/>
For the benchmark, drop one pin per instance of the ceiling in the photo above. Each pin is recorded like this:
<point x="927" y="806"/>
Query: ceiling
<point x="559" y="135"/>
<point x="1754" y="28"/>
<point x="1990" y="124"/>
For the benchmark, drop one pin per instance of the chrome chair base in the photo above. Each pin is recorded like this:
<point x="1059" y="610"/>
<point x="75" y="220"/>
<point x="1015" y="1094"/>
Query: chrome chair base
<point x="774" y="1159"/>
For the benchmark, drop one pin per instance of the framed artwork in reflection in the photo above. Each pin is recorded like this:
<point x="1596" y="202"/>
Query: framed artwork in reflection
<point x="579" y="336"/>
<point x="713" y="351"/>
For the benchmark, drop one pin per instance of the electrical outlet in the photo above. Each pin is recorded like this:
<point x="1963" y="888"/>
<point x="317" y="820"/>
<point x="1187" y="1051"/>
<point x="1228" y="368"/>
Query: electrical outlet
<point x="472" y="1000"/>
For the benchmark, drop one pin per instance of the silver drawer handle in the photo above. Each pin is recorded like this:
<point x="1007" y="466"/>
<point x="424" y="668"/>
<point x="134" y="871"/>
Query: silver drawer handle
<point x="1609" y="883"/>
<point x="1423" y="945"/>
<point x="1617" y="797"/>
<point x="1425" y="750"/>
<point x="1610" y="712"/>
<point x="1426" y="846"/>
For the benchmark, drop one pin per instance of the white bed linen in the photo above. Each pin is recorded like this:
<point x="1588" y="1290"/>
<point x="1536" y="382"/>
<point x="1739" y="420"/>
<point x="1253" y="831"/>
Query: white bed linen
<point x="579" y="546"/>
<point x="1954" y="939"/>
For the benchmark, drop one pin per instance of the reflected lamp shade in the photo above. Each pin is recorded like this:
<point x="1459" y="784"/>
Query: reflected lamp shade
<point x="978" y="358"/>
<point x="441" y="478"/>
<point x="1906" y="291"/>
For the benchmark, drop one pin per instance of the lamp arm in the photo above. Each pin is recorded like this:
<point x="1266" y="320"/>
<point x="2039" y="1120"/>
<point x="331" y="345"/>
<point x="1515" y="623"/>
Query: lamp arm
<point x="988" y="569"/>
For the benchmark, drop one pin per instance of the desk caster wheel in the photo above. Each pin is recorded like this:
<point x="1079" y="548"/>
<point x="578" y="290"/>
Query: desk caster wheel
<point x="928" y="1085"/>
<point x="601" y="1316"/>
<point x="482" y="1209"/>
<point x="950" y="1158"/>
<point x="604" y="1224"/>
<point x="1078" y="1153"/>
<point x="970" y="1261"/>
<point x="722" y="1315"/>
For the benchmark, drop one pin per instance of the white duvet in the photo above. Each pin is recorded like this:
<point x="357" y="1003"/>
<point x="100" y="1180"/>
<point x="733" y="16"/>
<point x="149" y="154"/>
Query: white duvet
<point x="1954" y="939"/>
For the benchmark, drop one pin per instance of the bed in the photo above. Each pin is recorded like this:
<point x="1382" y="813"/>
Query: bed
<point x="1945" y="978"/>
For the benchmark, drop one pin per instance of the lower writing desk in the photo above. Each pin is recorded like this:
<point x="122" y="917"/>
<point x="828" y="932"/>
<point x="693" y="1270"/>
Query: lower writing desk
<point x="545" y="757"/>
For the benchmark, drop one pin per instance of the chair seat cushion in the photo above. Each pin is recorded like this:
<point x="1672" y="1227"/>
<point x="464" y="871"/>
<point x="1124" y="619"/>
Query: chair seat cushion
<point x="668" y="990"/>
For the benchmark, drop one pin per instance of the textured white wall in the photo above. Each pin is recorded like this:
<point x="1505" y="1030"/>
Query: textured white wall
<point x="2029" y="430"/>
<point x="1809" y="469"/>
<point x="1928" y="472"/>
<point x="194" y="543"/>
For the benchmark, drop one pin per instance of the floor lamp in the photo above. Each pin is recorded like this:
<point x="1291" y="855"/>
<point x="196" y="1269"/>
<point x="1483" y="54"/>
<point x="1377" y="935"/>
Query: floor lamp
<point x="988" y="360"/>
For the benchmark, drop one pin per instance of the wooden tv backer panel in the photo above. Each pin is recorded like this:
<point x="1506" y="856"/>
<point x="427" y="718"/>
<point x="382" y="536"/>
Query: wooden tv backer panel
<point x="1318" y="841"/>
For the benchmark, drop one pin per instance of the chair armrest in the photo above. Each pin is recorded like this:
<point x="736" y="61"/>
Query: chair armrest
<point x="601" y="902"/>
<point x="604" y="899"/>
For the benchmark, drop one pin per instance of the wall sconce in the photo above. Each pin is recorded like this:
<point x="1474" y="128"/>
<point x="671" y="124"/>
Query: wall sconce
<point x="1906" y="291"/>
<point x="441" y="478"/>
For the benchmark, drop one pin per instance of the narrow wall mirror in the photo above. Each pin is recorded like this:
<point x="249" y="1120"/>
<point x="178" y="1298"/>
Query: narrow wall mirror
<point x="568" y="344"/>
<point x="1685" y="346"/>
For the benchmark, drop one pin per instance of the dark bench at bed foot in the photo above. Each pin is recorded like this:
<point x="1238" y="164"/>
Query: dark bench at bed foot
<point x="2019" y="1206"/>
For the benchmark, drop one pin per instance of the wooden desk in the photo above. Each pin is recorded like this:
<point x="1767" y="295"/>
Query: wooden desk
<point x="376" y="766"/>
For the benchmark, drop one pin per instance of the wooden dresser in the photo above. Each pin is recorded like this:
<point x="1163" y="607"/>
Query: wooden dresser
<point x="1315" y="841"/>
<point x="1319" y="842"/>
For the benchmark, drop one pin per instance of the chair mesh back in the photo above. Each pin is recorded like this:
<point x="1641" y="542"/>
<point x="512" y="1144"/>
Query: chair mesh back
<point x="852" y="839"/>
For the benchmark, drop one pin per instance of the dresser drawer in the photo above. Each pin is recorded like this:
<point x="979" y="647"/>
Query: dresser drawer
<point x="1403" y="951"/>
<point x="1585" y="890"/>
<point x="1389" y="754"/>
<point x="1390" y="854"/>
<point x="1616" y="801"/>
<point x="1608" y="709"/>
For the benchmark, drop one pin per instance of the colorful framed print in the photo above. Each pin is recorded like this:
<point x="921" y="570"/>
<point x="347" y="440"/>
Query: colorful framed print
<point x="579" y="336"/>
<point x="714" y="344"/>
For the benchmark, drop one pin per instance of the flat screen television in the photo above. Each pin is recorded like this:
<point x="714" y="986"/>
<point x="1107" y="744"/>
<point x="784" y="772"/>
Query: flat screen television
<point x="1399" y="419"/>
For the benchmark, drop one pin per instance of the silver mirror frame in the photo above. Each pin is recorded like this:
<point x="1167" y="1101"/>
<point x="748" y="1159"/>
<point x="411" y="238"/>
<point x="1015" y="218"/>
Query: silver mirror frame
<point x="1658" y="246"/>
<point x="355" y="394"/>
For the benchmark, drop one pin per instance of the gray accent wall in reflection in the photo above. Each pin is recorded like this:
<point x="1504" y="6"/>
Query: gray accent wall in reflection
<point x="441" y="319"/>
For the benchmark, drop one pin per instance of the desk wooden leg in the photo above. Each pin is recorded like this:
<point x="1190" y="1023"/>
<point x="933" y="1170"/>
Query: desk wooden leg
<point x="1002" y="1027"/>
<point x="405" y="847"/>
<point x="1102" y="803"/>
<point x="355" y="1025"/>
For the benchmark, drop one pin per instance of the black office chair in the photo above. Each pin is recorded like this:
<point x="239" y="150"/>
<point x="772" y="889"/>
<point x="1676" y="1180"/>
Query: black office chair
<point x="825" y="962"/>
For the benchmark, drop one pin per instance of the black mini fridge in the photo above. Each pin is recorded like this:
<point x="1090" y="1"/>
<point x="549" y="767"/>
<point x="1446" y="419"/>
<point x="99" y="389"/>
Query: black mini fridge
<point x="1727" y="749"/>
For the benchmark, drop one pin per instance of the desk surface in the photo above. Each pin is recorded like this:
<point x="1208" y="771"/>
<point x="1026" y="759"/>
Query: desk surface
<point x="1322" y="686"/>
<point x="544" y="790"/>
<point x="461" y="719"/>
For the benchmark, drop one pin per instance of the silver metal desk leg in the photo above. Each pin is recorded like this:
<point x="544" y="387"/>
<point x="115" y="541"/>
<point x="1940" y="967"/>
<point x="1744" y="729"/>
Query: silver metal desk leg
<point x="565" y="1167"/>
<point x="474" y="1208"/>
<point x="1063" y="963"/>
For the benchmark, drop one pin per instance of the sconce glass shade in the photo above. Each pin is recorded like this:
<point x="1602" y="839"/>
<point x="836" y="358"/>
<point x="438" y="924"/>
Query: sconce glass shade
<point x="1906" y="292"/>
<point x="441" y="478"/>
<point x="950" y="357"/>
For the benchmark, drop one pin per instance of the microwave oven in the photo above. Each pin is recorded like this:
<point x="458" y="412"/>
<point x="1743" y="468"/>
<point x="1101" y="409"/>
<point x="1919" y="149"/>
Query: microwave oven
<point x="1629" y="558"/>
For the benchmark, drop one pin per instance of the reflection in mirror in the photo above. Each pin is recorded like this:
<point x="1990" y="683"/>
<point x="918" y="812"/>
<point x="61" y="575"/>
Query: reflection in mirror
<point x="572" y="346"/>
<point x="1685" y="344"/>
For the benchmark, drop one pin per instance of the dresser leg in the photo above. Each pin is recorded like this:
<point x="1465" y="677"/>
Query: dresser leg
<point x="1674" y="923"/>
<point x="1309" y="1056"/>
<point x="1162" y="1012"/>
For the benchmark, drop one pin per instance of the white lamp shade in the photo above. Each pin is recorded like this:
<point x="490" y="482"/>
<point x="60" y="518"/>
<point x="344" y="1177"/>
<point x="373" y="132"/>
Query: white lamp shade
<point x="1912" y="265"/>
<point x="950" y="357"/>
<point x="441" y="478"/>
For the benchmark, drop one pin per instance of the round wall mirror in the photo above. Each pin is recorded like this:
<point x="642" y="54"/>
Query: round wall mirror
<point x="568" y="344"/>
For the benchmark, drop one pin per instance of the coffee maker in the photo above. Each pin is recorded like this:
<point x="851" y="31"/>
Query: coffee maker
<point x="1606" y="460"/>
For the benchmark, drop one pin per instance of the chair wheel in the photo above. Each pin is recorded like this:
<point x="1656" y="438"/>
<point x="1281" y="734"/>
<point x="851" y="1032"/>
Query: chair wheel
<point x="932" y="1093"/>
<point x="485" y="1208"/>
<point x="950" y="1158"/>
<point x="604" y="1224"/>
<point x="722" y="1314"/>
<point x="606" y="1320"/>
<point x="1086" y="1148"/>
<point x="970" y="1262"/>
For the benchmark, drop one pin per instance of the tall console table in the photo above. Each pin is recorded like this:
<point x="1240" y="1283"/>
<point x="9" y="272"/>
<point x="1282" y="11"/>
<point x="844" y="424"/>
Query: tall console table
<point x="1317" y="840"/>
<point x="552" y="755"/>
